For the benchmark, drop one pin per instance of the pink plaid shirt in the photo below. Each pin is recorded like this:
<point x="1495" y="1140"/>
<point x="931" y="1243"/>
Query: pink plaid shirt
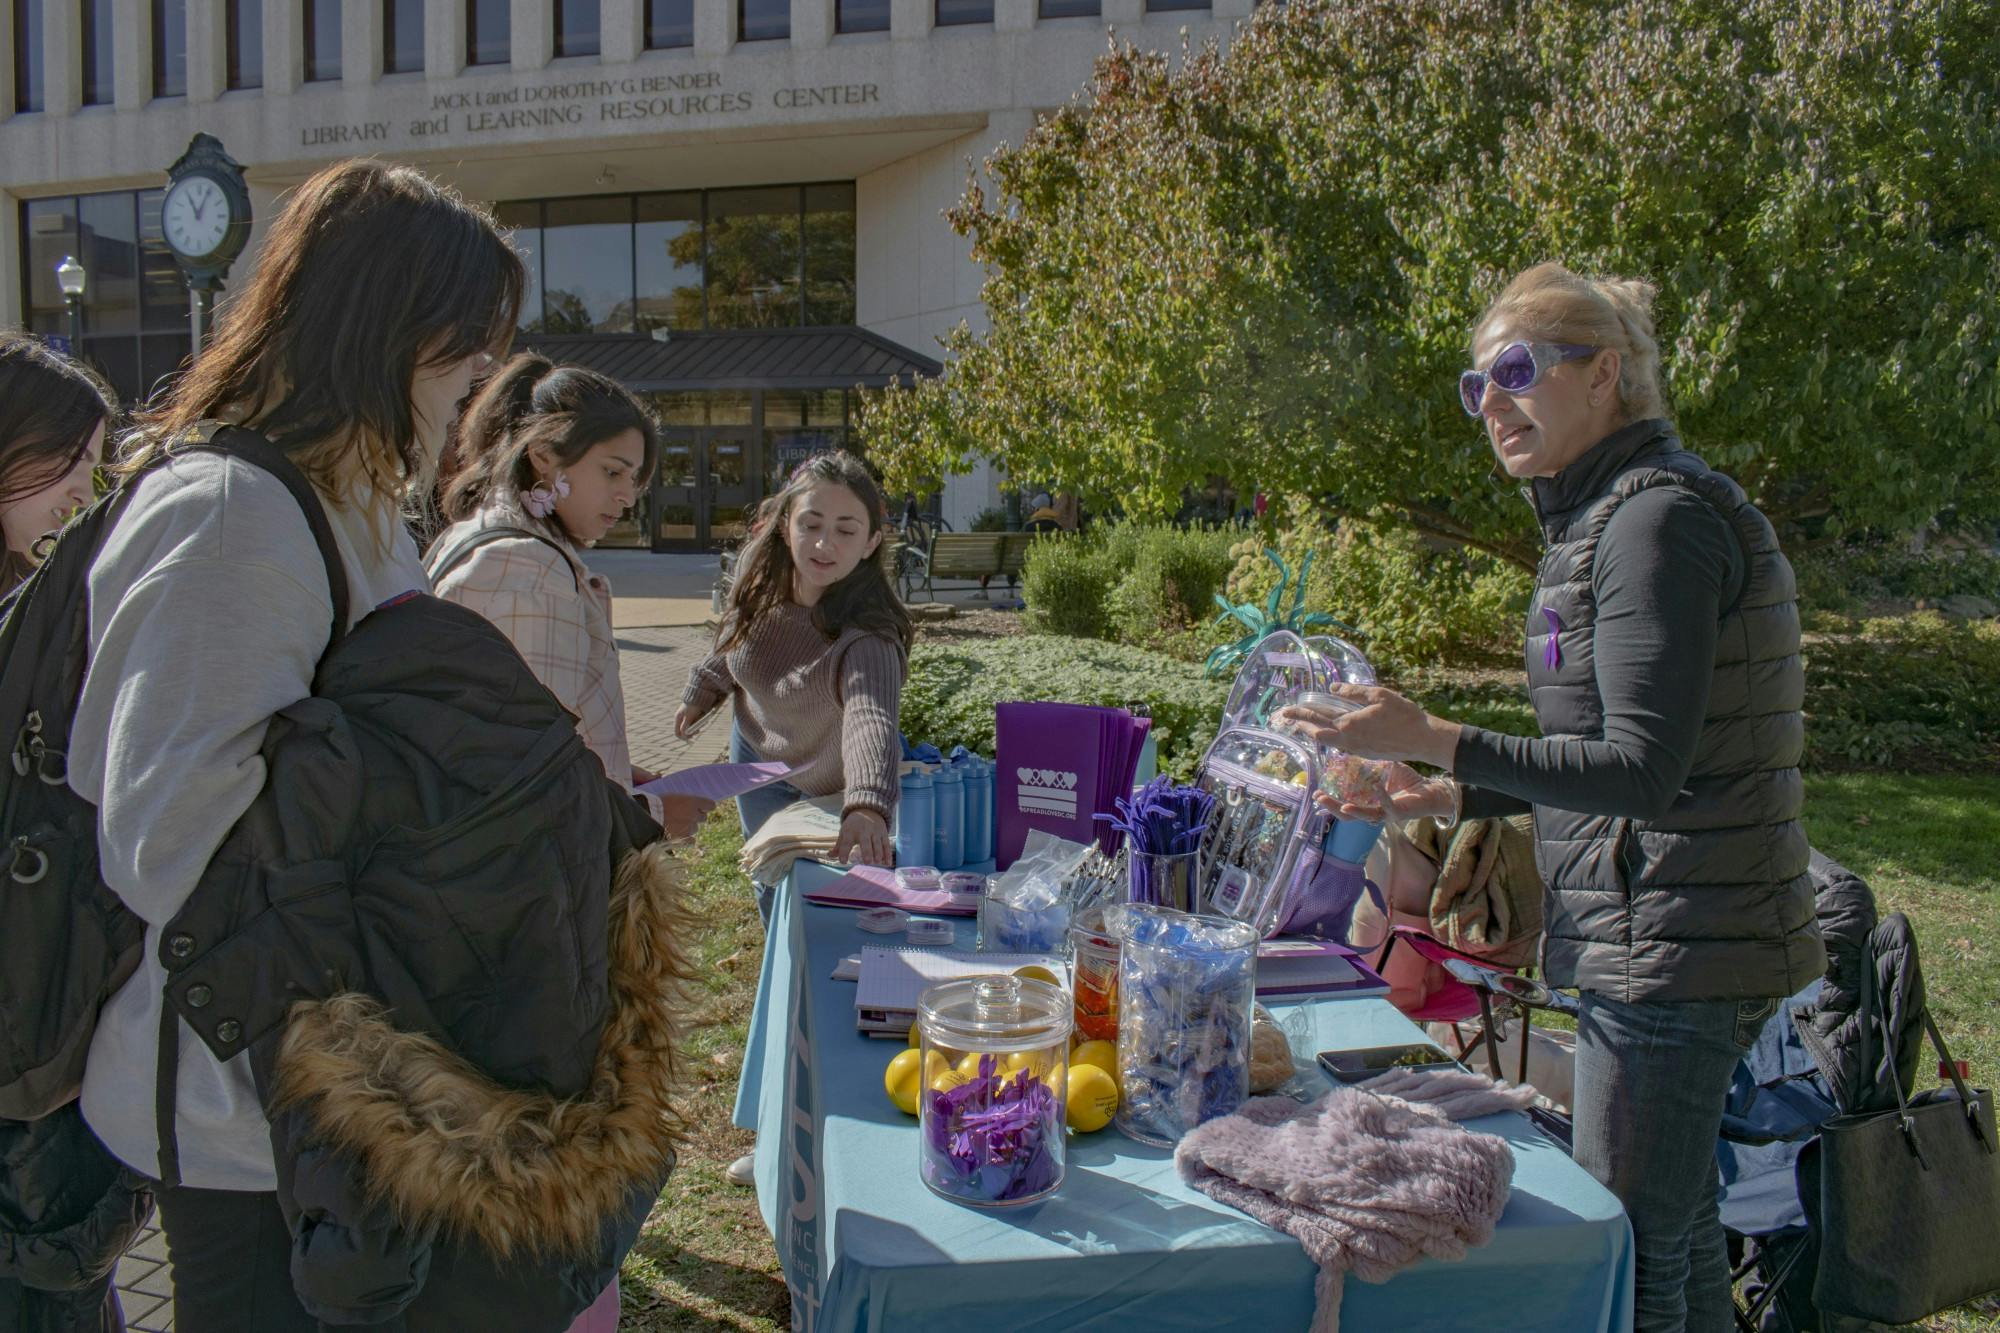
<point x="562" y="630"/>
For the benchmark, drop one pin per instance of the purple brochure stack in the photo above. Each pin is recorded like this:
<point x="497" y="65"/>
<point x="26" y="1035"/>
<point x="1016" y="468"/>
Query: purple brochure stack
<point x="1058" y="767"/>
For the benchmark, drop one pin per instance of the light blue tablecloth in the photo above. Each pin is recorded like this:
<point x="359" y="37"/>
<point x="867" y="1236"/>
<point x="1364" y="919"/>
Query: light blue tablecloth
<point x="1123" y="1245"/>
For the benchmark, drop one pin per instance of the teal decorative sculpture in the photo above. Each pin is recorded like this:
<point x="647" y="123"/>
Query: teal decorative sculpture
<point x="1260" y="621"/>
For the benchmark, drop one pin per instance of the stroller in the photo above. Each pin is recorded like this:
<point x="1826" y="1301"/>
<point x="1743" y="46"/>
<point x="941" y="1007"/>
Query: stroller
<point x="1805" y="1069"/>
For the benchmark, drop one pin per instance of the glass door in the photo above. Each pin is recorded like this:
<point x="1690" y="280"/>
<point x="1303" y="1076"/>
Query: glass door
<point x="676" y="493"/>
<point x="732" y="475"/>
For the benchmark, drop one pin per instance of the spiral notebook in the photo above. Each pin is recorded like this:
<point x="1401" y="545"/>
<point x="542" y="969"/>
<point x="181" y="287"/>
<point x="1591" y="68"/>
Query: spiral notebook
<point x="892" y="980"/>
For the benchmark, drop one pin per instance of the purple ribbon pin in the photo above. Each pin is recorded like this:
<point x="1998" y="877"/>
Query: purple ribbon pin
<point x="1552" y="655"/>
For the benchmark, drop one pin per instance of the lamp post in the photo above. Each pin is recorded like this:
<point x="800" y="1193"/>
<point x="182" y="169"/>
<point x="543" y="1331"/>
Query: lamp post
<point x="71" y="278"/>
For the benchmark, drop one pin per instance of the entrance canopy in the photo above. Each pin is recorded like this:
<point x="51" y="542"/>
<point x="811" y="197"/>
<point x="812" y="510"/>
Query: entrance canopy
<point x="831" y="358"/>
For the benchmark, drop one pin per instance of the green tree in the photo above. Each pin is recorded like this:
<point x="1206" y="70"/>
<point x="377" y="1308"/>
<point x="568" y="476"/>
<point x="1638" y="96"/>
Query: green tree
<point x="1264" y="262"/>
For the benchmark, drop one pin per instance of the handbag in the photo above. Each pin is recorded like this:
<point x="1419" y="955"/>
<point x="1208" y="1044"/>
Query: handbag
<point x="1909" y="1198"/>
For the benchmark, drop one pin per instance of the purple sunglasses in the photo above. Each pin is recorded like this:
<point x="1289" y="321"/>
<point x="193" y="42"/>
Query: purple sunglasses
<point x="1518" y="368"/>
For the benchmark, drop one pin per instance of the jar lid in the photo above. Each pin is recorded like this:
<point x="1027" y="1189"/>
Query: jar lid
<point x="995" y="1013"/>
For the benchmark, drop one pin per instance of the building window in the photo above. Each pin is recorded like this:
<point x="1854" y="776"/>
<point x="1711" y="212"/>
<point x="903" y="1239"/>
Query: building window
<point x="953" y="12"/>
<point x="861" y="16"/>
<point x="245" y="43"/>
<point x="27" y="55"/>
<point x="669" y="23"/>
<point x="523" y="222"/>
<point x="666" y="256"/>
<point x="587" y="265"/>
<point x="322" y="31"/>
<point x="763" y="20"/>
<point x="97" y="67"/>
<point x="489" y="32"/>
<point x="1168" y="6"/>
<point x="753" y="261"/>
<point x="1070" y="9"/>
<point x="170" y="48"/>
<point x="828" y="258"/>
<point x="135" y="309"/>
<point x="578" y="28"/>
<point x="402" y="36"/>
<point x="768" y="257"/>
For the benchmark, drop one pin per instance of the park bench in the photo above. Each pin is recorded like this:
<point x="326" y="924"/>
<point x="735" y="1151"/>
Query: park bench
<point x="975" y="555"/>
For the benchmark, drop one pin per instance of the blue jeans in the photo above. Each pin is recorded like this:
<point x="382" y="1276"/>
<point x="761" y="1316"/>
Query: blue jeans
<point x="756" y="807"/>
<point x="1650" y="1083"/>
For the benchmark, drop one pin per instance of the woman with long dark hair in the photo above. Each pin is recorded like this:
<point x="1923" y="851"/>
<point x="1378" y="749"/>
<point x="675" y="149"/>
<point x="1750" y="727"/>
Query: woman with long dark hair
<point x="378" y="296"/>
<point x="53" y="418"/>
<point x="545" y="461"/>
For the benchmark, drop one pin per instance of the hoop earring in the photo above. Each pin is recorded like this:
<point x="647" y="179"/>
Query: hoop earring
<point x="540" y="500"/>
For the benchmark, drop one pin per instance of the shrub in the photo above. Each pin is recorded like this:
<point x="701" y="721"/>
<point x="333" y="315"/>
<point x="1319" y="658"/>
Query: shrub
<point x="1412" y="605"/>
<point x="953" y="687"/>
<point x="1846" y="578"/>
<point x="1168" y="586"/>
<point x="989" y="520"/>
<point x="1067" y="586"/>
<point x="1912" y="691"/>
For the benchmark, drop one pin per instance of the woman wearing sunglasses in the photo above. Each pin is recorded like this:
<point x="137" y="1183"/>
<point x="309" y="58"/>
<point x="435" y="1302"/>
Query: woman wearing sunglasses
<point x="1663" y="662"/>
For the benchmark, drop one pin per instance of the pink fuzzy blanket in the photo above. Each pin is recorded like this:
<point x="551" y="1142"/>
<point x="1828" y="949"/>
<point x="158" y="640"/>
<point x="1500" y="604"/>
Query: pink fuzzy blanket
<point x="1369" y="1179"/>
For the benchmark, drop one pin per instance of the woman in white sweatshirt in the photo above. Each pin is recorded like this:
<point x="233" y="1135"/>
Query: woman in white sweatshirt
<point x="377" y="298"/>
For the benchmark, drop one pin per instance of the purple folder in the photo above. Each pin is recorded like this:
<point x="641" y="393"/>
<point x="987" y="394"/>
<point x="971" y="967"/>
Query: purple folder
<point x="1059" y="766"/>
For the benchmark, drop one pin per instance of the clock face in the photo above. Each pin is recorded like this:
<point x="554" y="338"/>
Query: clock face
<point x="196" y="216"/>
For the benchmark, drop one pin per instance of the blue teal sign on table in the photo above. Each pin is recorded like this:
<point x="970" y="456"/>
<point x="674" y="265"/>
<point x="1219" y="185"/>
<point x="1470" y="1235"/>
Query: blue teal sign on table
<point x="1123" y="1244"/>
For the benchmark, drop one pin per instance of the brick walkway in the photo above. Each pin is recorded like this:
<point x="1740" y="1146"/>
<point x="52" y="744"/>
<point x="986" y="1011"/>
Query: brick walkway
<point x="653" y="664"/>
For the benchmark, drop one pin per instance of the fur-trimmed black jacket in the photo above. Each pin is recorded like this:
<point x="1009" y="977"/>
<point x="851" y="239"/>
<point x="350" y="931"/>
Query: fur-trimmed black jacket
<point x="450" y="946"/>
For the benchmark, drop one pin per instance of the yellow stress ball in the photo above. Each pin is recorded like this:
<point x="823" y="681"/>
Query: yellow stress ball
<point x="915" y="1040"/>
<point x="1039" y="973"/>
<point x="904" y="1080"/>
<point x="1093" y="1097"/>
<point x="1102" y="1054"/>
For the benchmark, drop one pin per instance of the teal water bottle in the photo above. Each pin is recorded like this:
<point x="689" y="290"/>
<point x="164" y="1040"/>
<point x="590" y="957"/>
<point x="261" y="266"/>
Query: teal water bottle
<point x="916" y="825"/>
<point x="978" y="812"/>
<point x="948" y="789"/>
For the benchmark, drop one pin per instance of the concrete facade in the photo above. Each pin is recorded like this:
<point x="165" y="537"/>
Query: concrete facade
<point x="906" y="114"/>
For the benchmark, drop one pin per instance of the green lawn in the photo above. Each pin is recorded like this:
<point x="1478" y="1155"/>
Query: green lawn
<point x="1925" y="843"/>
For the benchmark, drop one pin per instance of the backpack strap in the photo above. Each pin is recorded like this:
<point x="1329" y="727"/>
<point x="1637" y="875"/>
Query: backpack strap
<point x="442" y="563"/>
<point x="248" y="445"/>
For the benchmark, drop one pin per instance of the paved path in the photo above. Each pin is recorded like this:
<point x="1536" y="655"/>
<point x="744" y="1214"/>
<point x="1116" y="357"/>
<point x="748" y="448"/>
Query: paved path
<point x="660" y="635"/>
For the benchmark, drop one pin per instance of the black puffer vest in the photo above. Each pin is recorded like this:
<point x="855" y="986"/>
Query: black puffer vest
<point x="1711" y="901"/>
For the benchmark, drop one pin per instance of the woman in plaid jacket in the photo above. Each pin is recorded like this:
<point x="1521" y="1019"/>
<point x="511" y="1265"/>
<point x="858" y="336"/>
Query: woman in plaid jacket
<point x="547" y="459"/>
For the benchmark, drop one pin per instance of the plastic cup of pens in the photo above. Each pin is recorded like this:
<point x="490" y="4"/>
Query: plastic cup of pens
<point x="1343" y="776"/>
<point x="996" y="1080"/>
<point x="1163" y="823"/>
<point x="1186" y="991"/>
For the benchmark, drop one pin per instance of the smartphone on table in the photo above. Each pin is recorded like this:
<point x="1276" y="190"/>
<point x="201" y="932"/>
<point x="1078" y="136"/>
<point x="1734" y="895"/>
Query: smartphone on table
<point x="1366" y="1062"/>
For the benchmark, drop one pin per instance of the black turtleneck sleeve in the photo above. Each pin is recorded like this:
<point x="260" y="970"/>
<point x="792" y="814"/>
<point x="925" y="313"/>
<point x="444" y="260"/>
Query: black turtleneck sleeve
<point x="1667" y="566"/>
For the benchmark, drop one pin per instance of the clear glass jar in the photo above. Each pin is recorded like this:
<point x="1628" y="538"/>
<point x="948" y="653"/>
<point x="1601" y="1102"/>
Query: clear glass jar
<point x="1187" y="986"/>
<point x="1344" y="776"/>
<point x="996" y="1083"/>
<point x="1094" y="976"/>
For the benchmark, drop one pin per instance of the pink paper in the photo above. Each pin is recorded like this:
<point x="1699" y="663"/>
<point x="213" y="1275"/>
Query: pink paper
<point x="872" y="886"/>
<point x="717" y="782"/>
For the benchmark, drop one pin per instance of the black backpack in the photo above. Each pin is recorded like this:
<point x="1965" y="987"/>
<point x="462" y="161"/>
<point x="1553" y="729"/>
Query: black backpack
<point x="66" y="941"/>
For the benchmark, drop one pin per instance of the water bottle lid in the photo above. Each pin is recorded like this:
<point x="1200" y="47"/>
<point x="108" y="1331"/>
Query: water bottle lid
<point x="948" y="774"/>
<point x="916" y="778"/>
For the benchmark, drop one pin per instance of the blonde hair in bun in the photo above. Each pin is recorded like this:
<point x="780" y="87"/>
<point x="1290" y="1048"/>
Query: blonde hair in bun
<point x="1548" y="303"/>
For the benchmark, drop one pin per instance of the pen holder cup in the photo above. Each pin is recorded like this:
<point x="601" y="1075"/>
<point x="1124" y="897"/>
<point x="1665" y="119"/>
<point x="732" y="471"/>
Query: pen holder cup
<point x="1165" y="879"/>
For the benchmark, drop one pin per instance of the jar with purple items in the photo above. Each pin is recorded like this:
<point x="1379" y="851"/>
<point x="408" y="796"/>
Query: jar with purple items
<point x="996" y="1075"/>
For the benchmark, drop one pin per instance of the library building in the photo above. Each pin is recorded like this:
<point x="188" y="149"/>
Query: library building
<point x="735" y="207"/>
